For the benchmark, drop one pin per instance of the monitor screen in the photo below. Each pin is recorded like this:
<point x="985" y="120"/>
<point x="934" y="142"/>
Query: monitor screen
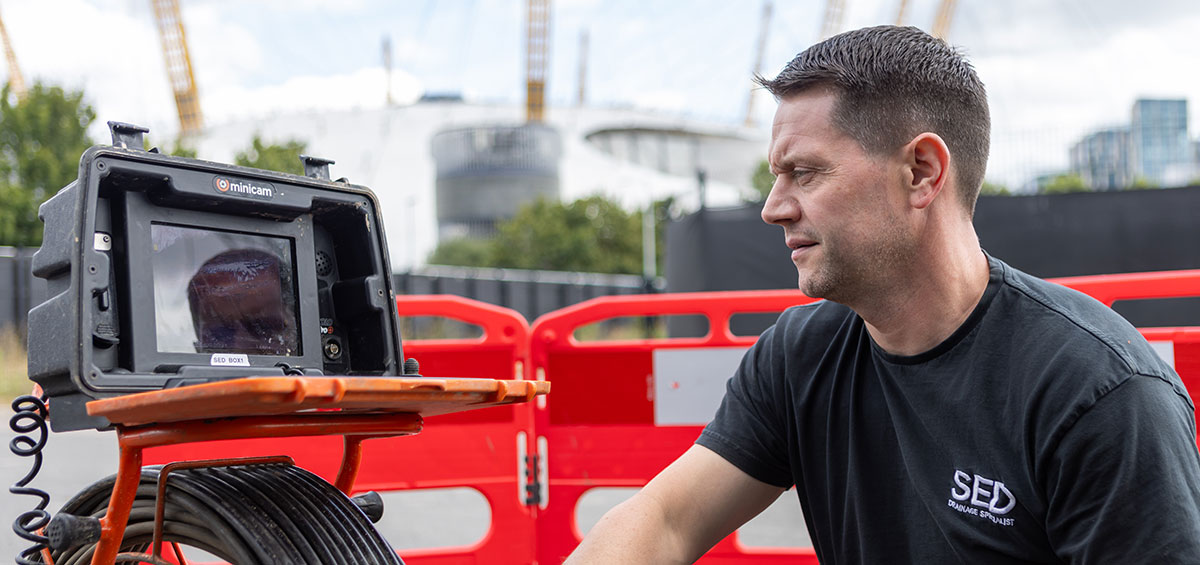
<point x="223" y="292"/>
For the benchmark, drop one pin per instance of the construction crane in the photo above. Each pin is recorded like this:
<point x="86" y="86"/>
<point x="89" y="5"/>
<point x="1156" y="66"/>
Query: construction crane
<point x="833" y="18"/>
<point x="941" y="25"/>
<point x="536" y="48"/>
<point x="179" y="65"/>
<point x="900" y="12"/>
<point x="15" y="80"/>
<point x="764" y="25"/>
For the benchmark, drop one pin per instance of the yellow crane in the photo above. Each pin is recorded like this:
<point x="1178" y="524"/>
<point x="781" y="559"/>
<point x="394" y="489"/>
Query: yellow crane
<point x="536" y="48"/>
<point x="179" y="65"/>
<point x="15" y="80"/>
<point x="900" y="12"/>
<point x="941" y="25"/>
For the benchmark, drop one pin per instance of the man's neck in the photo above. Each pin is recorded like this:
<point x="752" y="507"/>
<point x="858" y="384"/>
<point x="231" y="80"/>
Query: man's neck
<point x="934" y="299"/>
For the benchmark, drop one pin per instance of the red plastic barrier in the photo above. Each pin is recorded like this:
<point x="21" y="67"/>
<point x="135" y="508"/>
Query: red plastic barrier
<point x="599" y="420"/>
<point x="615" y="442"/>
<point x="482" y="449"/>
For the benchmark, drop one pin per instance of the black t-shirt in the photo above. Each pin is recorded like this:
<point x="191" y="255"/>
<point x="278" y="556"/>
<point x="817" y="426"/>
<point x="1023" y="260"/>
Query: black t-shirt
<point x="1045" y="429"/>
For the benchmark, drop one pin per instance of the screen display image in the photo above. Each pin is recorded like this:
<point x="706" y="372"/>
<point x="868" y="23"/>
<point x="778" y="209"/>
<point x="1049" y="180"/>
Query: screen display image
<point x="223" y="292"/>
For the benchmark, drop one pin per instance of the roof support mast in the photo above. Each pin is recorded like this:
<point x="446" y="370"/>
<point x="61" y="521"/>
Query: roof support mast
<point x="764" y="25"/>
<point x="833" y="18"/>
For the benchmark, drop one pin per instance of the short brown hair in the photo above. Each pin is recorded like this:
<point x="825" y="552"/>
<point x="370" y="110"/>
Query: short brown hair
<point x="893" y="84"/>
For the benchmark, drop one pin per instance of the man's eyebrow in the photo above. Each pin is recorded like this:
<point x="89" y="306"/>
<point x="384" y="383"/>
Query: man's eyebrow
<point x="779" y="162"/>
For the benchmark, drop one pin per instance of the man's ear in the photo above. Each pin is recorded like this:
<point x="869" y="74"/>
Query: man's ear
<point x="928" y="160"/>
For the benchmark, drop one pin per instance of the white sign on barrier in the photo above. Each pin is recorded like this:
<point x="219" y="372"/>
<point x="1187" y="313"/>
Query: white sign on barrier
<point x="690" y="383"/>
<point x="1166" y="350"/>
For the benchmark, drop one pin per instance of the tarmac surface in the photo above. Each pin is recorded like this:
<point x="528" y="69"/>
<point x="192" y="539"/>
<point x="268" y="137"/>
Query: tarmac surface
<point x="412" y="519"/>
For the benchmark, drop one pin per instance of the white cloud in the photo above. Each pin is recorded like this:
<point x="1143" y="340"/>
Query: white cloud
<point x="222" y="51"/>
<point x="672" y="101"/>
<point x="363" y="88"/>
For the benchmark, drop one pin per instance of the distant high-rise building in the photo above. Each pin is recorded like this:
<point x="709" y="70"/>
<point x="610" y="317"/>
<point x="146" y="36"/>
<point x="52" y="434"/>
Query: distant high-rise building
<point x="1102" y="159"/>
<point x="1159" y="145"/>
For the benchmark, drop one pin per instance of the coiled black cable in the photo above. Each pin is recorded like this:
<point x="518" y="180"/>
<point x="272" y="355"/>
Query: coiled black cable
<point x="246" y="514"/>
<point x="30" y="416"/>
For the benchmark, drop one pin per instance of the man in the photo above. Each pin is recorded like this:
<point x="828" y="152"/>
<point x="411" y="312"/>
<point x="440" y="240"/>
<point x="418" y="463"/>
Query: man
<point x="939" y="406"/>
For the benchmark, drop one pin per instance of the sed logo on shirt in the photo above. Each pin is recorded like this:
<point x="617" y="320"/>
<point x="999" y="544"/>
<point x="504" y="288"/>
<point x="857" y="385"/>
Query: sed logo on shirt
<point x="983" y="497"/>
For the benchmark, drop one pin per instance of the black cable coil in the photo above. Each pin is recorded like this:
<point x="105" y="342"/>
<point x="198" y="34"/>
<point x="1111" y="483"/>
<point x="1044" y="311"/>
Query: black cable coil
<point x="30" y="415"/>
<point x="247" y="514"/>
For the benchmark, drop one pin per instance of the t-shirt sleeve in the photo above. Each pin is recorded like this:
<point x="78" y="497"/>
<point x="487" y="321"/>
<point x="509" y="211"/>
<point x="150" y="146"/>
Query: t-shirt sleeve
<point x="747" y="430"/>
<point x="1123" y="486"/>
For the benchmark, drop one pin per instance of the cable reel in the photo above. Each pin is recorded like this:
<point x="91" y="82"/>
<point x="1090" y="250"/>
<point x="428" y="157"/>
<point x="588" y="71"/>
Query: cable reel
<point x="244" y="514"/>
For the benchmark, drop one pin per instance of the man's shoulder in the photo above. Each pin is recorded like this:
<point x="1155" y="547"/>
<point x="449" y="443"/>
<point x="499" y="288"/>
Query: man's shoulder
<point x="822" y="319"/>
<point x="1075" y="326"/>
<point x="818" y="315"/>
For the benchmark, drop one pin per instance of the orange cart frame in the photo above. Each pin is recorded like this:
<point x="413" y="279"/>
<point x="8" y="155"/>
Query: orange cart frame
<point x="355" y="408"/>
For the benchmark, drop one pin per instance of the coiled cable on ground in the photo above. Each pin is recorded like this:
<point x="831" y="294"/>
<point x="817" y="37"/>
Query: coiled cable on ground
<point x="245" y="514"/>
<point x="30" y="416"/>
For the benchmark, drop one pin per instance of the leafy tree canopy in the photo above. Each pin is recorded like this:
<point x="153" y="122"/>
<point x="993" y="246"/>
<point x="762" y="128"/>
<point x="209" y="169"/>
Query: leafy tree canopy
<point x="993" y="189"/>
<point x="761" y="181"/>
<point x="41" y="139"/>
<point x="282" y="157"/>
<point x="1064" y="183"/>
<point x="1142" y="183"/>
<point x="592" y="234"/>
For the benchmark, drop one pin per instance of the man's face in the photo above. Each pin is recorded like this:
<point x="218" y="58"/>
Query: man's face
<point x="842" y="210"/>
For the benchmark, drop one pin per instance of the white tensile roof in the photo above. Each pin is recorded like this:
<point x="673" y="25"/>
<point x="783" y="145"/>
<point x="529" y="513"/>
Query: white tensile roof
<point x="388" y="150"/>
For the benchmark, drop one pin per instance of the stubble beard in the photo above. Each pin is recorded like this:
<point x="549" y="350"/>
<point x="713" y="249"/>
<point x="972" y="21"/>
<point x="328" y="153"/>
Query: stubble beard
<point x="853" y="276"/>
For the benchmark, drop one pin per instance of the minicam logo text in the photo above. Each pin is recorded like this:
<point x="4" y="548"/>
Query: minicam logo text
<point x="261" y="191"/>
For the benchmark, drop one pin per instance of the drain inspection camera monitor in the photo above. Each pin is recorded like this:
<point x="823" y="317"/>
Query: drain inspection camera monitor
<point x="165" y="271"/>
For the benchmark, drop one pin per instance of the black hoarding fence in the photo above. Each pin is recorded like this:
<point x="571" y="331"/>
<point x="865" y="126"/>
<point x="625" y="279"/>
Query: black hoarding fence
<point x="1084" y="233"/>
<point x="532" y="293"/>
<point x="19" y="290"/>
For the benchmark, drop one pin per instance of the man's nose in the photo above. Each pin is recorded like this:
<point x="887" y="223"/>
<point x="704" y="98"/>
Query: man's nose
<point x="780" y="208"/>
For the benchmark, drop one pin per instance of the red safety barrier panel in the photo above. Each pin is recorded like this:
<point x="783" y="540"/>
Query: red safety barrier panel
<point x="599" y="421"/>
<point x="616" y="441"/>
<point x="482" y="449"/>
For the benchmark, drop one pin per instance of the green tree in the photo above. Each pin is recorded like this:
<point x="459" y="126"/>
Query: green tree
<point x="592" y="234"/>
<point x="41" y="139"/>
<point x="178" y="148"/>
<point x="463" y="252"/>
<point x="1064" y="183"/>
<point x="182" y="150"/>
<point x="283" y="157"/>
<point x="993" y="189"/>
<point x="761" y="181"/>
<point x="1142" y="183"/>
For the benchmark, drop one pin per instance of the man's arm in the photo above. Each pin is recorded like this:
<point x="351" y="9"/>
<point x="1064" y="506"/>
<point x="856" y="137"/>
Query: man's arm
<point x="690" y="506"/>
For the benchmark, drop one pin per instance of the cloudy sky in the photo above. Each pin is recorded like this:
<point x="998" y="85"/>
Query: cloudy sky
<point x="1055" y="69"/>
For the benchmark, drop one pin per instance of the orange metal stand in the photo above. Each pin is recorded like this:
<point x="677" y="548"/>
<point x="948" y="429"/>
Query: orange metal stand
<point x="356" y="408"/>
